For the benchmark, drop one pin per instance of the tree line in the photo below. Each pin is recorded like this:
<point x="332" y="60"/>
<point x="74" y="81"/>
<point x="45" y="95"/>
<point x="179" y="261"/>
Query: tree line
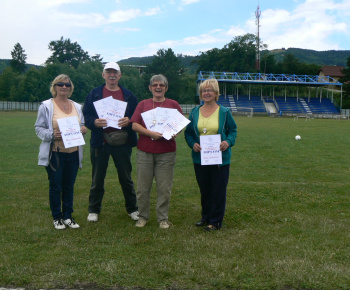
<point x="20" y="83"/>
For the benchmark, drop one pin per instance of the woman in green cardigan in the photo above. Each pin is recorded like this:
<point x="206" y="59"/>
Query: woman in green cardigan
<point x="210" y="119"/>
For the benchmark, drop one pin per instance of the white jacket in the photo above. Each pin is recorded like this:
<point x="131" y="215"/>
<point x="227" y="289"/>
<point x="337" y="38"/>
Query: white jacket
<point x="44" y="130"/>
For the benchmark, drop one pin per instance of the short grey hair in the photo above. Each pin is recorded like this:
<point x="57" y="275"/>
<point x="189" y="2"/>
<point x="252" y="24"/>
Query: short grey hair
<point x="159" y="78"/>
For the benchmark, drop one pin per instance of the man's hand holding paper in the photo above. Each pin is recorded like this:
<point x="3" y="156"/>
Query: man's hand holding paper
<point x="110" y="111"/>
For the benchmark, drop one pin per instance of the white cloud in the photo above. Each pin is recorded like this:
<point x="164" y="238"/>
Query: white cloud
<point x="124" y="15"/>
<point x="320" y="25"/>
<point x="152" y="11"/>
<point x="188" y="2"/>
<point x="209" y="38"/>
<point x="56" y="3"/>
<point x="309" y="26"/>
<point x="235" y="31"/>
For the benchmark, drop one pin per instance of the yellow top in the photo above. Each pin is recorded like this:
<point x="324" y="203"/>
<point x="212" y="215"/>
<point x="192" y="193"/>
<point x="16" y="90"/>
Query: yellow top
<point x="58" y="114"/>
<point x="210" y="125"/>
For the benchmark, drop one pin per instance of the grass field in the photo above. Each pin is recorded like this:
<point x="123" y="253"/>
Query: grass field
<point x="287" y="223"/>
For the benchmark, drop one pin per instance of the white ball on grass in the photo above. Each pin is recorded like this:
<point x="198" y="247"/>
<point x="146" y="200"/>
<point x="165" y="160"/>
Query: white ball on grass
<point x="297" y="137"/>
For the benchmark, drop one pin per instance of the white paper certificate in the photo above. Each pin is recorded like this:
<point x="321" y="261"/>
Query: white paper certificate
<point x="174" y="125"/>
<point x="166" y="121"/>
<point x="70" y="131"/>
<point x="110" y="109"/>
<point x="149" y="117"/>
<point x="210" y="153"/>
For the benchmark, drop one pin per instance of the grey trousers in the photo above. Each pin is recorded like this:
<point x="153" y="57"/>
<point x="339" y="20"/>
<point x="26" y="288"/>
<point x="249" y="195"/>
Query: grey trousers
<point x="158" y="166"/>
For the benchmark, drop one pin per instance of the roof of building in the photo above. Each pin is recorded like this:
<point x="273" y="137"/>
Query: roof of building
<point x="332" y="70"/>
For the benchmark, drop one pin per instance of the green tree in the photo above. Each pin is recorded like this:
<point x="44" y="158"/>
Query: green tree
<point x="29" y="86"/>
<point x="65" y="51"/>
<point x="86" y="77"/>
<point x="188" y="93"/>
<point x="289" y="65"/>
<point x="237" y="56"/>
<point x="18" y="61"/>
<point x="208" y="60"/>
<point x="166" y="63"/>
<point x="268" y="63"/>
<point x="346" y="87"/>
<point x="97" y="58"/>
<point x="8" y="81"/>
<point x="133" y="81"/>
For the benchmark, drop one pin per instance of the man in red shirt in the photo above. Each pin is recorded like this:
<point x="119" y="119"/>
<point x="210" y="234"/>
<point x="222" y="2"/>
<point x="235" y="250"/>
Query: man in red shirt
<point x="101" y="150"/>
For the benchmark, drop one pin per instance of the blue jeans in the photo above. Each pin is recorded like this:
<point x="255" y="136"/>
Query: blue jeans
<point x="62" y="182"/>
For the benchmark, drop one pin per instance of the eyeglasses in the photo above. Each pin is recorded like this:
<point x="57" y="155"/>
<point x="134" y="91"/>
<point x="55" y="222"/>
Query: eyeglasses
<point x="158" y="85"/>
<point x="112" y="71"/>
<point x="68" y="85"/>
<point x="208" y="91"/>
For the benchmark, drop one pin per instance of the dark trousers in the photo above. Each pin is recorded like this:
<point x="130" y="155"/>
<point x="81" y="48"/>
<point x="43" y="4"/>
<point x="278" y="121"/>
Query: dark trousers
<point x="61" y="189"/>
<point x="99" y="159"/>
<point x="212" y="181"/>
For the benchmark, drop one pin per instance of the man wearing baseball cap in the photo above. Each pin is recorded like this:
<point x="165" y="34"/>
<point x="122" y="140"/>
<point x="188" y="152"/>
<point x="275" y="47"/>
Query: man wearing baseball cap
<point x="119" y="146"/>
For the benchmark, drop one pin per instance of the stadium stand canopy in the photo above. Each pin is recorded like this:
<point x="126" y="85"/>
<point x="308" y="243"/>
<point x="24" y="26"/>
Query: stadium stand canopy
<point x="268" y="79"/>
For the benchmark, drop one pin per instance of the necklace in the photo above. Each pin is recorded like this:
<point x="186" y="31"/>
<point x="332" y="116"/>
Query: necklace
<point x="154" y="122"/>
<point x="205" y="126"/>
<point x="63" y="106"/>
<point x="207" y="120"/>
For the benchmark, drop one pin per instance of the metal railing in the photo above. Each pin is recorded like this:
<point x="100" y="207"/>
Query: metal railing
<point x="29" y="106"/>
<point x="19" y="106"/>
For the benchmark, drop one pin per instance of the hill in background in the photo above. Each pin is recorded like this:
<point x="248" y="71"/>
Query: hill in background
<point x="185" y="61"/>
<point x="328" y="57"/>
<point x="6" y="62"/>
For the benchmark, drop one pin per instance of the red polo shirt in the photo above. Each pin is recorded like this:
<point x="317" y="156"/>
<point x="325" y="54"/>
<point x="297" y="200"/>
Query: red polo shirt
<point x="145" y="143"/>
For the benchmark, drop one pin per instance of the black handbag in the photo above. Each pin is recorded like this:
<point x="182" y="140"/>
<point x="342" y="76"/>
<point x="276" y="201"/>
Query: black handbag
<point x="116" y="138"/>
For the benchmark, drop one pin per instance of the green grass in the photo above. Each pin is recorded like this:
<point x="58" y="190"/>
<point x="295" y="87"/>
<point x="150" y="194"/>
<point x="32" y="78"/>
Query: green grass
<point x="286" y="224"/>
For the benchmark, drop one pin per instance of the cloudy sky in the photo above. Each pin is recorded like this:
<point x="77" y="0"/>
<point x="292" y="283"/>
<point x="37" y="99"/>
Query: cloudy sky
<point x="119" y="29"/>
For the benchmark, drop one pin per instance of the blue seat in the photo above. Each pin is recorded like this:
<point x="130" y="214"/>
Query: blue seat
<point x="325" y="106"/>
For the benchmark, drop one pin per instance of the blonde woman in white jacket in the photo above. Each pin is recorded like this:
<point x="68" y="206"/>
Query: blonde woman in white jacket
<point x="61" y="163"/>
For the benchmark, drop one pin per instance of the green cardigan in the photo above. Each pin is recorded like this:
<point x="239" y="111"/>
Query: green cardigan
<point x="227" y="129"/>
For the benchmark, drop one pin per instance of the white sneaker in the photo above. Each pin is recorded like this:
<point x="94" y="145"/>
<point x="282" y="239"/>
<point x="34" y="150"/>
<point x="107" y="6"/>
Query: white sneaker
<point x="141" y="223"/>
<point x="134" y="215"/>
<point x="58" y="224"/>
<point x="71" y="223"/>
<point x="165" y="224"/>
<point x="92" y="217"/>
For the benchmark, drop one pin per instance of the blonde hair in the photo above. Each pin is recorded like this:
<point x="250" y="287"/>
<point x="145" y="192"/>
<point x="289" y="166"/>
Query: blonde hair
<point x="213" y="83"/>
<point x="60" y="78"/>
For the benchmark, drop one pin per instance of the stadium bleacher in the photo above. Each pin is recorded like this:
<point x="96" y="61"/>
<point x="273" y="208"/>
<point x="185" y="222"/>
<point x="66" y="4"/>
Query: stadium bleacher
<point x="254" y="102"/>
<point x="323" y="107"/>
<point x="286" y="105"/>
<point x="290" y="105"/>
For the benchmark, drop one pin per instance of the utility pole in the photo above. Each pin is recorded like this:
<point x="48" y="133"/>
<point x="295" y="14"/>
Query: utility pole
<point x="257" y="21"/>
